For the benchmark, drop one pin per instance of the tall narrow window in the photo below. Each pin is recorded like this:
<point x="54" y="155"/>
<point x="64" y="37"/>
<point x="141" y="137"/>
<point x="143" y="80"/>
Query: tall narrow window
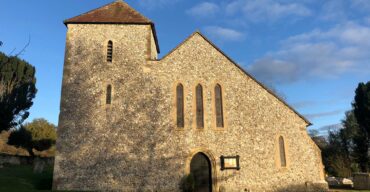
<point x="218" y="106"/>
<point x="110" y="51"/>
<point x="180" y="105"/>
<point x="199" y="106"/>
<point x="109" y="95"/>
<point x="282" y="152"/>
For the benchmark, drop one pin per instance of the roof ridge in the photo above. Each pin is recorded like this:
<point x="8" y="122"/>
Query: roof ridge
<point x="65" y="21"/>
<point x="126" y="5"/>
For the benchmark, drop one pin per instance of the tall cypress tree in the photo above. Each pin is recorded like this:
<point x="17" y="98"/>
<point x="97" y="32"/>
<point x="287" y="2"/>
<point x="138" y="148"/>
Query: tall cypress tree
<point x="361" y="140"/>
<point x="17" y="90"/>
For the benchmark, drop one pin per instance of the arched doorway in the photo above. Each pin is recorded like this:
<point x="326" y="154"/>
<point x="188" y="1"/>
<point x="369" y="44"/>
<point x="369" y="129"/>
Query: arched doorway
<point x="200" y="168"/>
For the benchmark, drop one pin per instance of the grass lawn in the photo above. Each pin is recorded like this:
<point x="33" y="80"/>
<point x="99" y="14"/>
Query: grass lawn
<point x="21" y="178"/>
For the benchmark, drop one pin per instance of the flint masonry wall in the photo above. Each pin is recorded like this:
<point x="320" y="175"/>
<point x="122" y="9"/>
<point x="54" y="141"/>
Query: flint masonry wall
<point x="134" y="144"/>
<point x="100" y="146"/>
<point x="254" y="119"/>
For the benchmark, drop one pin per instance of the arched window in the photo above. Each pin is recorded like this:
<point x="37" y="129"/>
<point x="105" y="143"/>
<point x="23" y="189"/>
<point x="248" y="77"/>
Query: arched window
<point x="109" y="95"/>
<point x="110" y="51"/>
<point x="199" y="106"/>
<point x="180" y="105"/>
<point x="218" y="106"/>
<point x="282" y="152"/>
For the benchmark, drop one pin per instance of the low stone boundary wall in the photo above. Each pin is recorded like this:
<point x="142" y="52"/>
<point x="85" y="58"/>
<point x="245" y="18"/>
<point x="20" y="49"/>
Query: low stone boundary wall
<point x="24" y="160"/>
<point x="361" y="180"/>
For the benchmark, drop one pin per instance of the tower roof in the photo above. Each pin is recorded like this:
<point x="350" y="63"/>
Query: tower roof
<point x="117" y="12"/>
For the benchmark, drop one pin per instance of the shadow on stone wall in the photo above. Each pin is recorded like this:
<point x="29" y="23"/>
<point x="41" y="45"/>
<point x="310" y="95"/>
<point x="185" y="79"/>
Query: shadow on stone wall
<point x="124" y="146"/>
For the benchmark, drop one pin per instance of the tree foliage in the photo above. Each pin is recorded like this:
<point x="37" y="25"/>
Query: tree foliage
<point x="39" y="135"/>
<point x="361" y="139"/>
<point x="313" y="133"/>
<point x="339" y="156"/>
<point x="41" y="129"/>
<point x="336" y="155"/>
<point x="17" y="90"/>
<point x="21" y="138"/>
<point x="347" y="150"/>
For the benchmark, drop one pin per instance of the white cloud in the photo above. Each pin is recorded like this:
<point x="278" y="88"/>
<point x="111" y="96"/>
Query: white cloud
<point x="224" y="34"/>
<point x="260" y="10"/>
<point x="266" y="68"/>
<point x="333" y="10"/>
<point x="361" y="4"/>
<point x="317" y="54"/>
<point x="367" y="20"/>
<point x="205" y="9"/>
<point x="348" y="33"/>
<point x="323" y="114"/>
<point x="304" y="104"/>
<point x="342" y="10"/>
<point x="331" y="127"/>
<point x="354" y="34"/>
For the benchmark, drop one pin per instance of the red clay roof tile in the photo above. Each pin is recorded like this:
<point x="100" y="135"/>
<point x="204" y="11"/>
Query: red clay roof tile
<point x="116" y="12"/>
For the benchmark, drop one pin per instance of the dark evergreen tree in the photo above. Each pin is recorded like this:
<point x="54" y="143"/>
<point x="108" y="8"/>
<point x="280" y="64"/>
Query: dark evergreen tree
<point x="338" y="148"/>
<point x="17" y="90"/>
<point x="350" y="129"/>
<point x="361" y="140"/>
<point x="21" y="138"/>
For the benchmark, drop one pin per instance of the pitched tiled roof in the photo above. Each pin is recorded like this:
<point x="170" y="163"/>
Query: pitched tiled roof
<point x="117" y="12"/>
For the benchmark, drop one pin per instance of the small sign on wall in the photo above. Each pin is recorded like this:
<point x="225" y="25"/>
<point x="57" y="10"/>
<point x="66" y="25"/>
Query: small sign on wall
<point x="230" y="162"/>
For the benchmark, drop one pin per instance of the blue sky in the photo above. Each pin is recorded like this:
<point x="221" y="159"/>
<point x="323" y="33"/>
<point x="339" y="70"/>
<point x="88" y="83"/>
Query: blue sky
<point x="312" y="52"/>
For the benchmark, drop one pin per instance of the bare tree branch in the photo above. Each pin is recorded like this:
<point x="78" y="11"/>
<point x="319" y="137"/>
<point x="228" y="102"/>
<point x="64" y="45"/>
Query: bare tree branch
<point x="19" y="53"/>
<point x="12" y="51"/>
<point x="24" y="48"/>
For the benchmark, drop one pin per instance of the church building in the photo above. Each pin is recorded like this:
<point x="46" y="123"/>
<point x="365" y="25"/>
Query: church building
<point x="192" y="120"/>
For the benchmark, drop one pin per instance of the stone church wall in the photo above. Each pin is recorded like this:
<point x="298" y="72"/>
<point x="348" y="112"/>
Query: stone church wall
<point x="254" y="119"/>
<point x="134" y="144"/>
<point x="106" y="146"/>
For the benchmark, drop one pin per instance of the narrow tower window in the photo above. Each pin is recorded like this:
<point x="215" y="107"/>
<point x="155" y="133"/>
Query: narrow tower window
<point x="282" y="152"/>
<point x="199" y="106"/>
<point x="180" y="105"/>
<point x="109" y="95"/>
<point x="110" y="51"/>
<point x="218" y="106"/>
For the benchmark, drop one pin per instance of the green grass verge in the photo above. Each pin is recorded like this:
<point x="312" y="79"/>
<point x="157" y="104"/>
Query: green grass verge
<point x="21" y="178"/>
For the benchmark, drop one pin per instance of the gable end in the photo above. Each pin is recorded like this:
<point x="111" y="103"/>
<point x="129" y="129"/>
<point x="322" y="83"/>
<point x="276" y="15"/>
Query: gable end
<point x="244" y="71"/>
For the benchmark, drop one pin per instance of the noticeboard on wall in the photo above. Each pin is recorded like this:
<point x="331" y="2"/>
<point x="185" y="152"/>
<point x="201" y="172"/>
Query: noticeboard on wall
<point x="230" y="162"/>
